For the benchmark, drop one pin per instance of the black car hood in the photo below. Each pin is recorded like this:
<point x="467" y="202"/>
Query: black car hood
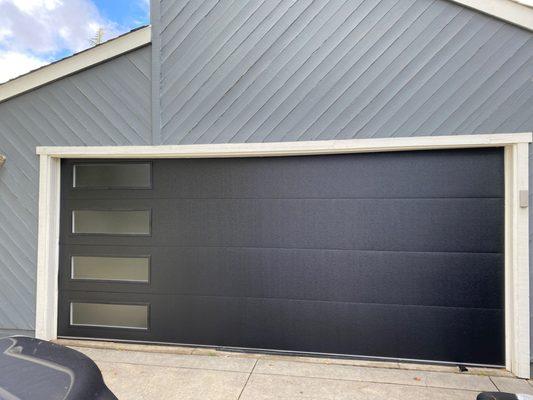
<point x="36" y="369"/>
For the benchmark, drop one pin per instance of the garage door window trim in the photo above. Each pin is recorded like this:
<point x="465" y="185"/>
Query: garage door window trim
<point x="148" y="232"/>
<point x="86" y="163"/>
<point x="146" y="306"/>
<point x="146" y="281"/>
<point x="516" y="218"/>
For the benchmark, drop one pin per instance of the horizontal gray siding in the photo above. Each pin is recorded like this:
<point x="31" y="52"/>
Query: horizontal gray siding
<point x="271" y="70"/>
<point x="106" y="105"/>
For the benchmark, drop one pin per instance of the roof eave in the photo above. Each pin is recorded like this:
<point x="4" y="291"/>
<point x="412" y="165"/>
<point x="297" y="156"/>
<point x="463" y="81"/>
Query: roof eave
<point x="506" y="10"/>
<point x="76" y="63"/>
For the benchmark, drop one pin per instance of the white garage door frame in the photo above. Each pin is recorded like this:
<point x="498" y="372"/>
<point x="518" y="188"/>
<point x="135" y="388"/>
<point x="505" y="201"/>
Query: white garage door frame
<point x="517" y="318"/>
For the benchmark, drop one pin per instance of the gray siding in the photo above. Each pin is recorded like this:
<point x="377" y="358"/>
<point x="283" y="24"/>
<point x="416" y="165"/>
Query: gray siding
<point x="106" y="105"/>
<point x="271" y="70"/>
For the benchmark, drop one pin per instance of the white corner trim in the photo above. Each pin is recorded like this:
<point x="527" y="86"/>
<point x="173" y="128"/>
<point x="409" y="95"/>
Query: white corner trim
<point x="76" y="63"/>
<point x="517" y="261"/>
<point x="507" y="10"/>
<point x="274" y="149"/>
<point x="48" y="248"/>
<point x="516" y="218"/>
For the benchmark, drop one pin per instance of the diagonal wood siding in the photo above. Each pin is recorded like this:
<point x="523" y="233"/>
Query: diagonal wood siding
<point x="106" y="105"/>
<point x="276" y="70"/>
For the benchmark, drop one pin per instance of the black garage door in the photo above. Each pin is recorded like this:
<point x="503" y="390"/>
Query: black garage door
<point x="389" y="255"/>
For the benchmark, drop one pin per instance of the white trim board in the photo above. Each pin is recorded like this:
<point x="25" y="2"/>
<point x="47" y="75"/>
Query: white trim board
<point x="506" y="10"/>
<point x="75" y="63"/>
<point x="274" y="149"/>
<point x="516" y="221"/>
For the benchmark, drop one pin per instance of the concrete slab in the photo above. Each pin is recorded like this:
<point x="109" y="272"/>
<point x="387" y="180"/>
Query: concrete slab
<point x="489" y="371"/>
<point x="277" y="387"/>
<point x="428" y="367"/>
<point x="142" y="382"/>
<point x="101" y="344"/>
<point x="344" y="372"/>
<point x="171" y="360"/>
<point x="377" y="375"/>
<point x="455" y="369"/>
<point x="206" y="351"/>
<point x="156" y="372"/>
<point x="460" y="381"/>
<point x="332" y="361"/>
<point x="513" y="385"/>
<point x="311" y="359"/>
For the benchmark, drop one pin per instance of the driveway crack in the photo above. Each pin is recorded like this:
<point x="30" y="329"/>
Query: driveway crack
<point x="248" y="379"/>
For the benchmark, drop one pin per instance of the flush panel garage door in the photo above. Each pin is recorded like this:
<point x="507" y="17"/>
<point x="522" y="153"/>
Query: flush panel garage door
<point x="386" y="254"/>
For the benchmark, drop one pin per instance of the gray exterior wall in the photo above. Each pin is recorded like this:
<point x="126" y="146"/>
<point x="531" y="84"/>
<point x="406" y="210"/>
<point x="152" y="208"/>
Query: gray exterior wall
<point x="270" y="70"/>
<point x="106" y="105"/>
<point x="265" y="70"/>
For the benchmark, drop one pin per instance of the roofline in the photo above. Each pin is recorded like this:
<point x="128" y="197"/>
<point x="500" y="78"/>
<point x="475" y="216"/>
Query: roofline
<point x="76" y="63"/>
<point x="507" y="10"/>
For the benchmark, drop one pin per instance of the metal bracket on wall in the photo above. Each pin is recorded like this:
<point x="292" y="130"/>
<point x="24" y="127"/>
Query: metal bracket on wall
<point x="2" y="160"/>
<point x="524" y="198"/>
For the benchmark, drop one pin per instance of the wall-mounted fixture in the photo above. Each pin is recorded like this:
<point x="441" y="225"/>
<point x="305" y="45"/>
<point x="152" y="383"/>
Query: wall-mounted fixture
<point x="2" y="160"/>
<point x="523" y="196"/>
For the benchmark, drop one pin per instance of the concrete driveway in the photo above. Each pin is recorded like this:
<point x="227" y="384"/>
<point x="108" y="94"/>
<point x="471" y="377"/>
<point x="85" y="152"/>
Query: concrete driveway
<point x="163" y="372"/>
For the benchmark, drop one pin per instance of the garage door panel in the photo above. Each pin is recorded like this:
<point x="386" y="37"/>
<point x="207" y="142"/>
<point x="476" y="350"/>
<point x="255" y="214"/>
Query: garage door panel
<point x="439" y="279"/>
<point x="446" y="225"/>
<point x="366" y="277"/>
<point x="389" y="255"/>
<point x="347" y="328"/>
<point x="339" y="176"/>
<point x="421" y="174"/>
<point x="411" y="332"/>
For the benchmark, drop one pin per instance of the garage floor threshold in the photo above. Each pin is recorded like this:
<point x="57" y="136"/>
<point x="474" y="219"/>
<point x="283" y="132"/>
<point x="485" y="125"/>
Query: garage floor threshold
<point x="144" y="371"/>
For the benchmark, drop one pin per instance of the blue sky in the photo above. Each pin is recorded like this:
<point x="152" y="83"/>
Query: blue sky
<point x="36" y="32"/>
<point x="125" y="12"/>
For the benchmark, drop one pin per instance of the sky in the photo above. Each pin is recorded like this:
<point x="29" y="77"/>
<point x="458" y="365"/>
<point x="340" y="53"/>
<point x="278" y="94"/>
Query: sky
<point x="36" y="32"/>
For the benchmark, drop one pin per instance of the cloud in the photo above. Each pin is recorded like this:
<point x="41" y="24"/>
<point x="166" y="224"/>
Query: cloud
<point x="50" y="26"/>
<point x="525" y="2"/>
<point x="37" y="32"/>
<point x="14" y="63"/>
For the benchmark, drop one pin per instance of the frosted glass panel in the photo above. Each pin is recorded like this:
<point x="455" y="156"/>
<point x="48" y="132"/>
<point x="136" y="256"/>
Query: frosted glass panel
<point x="109" y="315"/>
<point x="111" y="268"/>
<point x="123" y="175"/>
<point x="111" y="222"/>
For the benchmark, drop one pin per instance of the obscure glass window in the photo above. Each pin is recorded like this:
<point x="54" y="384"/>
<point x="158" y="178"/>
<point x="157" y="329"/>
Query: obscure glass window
<point x="111" y="222"/>
<point x="109" y="315"/>
<point x="131" y="269"/>
<point x="112" y="175"/>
